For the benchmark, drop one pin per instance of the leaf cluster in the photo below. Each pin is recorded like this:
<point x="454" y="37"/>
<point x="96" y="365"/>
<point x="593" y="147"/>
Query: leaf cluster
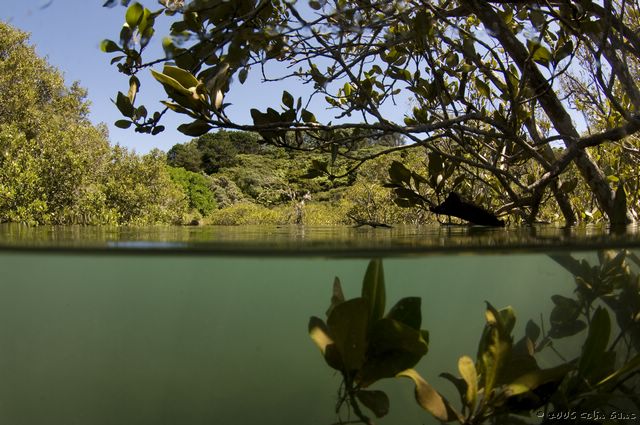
<point x="364" y="344"/>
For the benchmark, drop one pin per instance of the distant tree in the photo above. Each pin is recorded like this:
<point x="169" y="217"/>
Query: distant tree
<point x="185" y="155"/>
<point x="217" y="152"/>
<point x="212" y="151"/>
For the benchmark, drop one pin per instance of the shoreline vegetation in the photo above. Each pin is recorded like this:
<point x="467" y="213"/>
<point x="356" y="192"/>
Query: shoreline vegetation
<point x="56" y="167"/>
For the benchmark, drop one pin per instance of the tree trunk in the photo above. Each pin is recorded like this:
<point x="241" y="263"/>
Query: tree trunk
<point x="552" y="106"/>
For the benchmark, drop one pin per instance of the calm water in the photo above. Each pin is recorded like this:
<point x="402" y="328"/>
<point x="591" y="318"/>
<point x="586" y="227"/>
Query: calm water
<point x="172" y="338"/>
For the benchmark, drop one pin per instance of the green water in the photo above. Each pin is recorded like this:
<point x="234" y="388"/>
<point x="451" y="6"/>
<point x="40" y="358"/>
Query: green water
<point x="177" y="339"/>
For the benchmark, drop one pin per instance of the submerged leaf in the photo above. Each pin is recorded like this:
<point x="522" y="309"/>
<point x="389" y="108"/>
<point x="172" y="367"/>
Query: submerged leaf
<point x="494" y="349"/>
<point x="373" y="290"/>
<point x="594" y="348"/>
<point x="393" y="347"/>
<point x="347" y="325"/>
<point x="430" y="400"/>
<point x="337" y="296"/>
<point x="467" y="369"/>
<point x="376" y="401"/>
<point x="631" y="365"/>
<point x="531" y="380"/>
<point x="407" y="311"/>
<point x="319" y="333"/>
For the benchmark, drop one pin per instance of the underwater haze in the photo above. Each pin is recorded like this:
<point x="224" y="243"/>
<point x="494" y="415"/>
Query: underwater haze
<point x="144" y="338"/>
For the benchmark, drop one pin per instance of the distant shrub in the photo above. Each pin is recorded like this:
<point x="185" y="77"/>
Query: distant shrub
<point x="248" y="213"/>
<point x="197" y="188"/>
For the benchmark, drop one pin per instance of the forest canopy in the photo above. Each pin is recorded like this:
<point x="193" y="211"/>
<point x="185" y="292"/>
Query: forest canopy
<point x="497" y="91"/>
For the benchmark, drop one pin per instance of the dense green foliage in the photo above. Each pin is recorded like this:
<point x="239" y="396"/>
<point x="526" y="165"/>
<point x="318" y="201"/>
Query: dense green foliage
<point x="493" y="88"/>
<point x="198" y="190"/>
<point x="56" y="167"/>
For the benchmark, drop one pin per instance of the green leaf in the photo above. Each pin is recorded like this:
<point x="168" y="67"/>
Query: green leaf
<point x="483" y="88"/>
<point x="170" y="82"/>
<point x="124" y="105"/>
<point x="195" y="129"/>
<point x="376" y="401"/>
<point x="183" y="77"/>
<point x="532" y="331"/>
<point x="393" y="347"/>
<point x="134" y="15"/>
<point x="307" y="116"/>
<point x="287" y="99"/>
<point x="430" y="400"/>
<point x="109" y="46"/>
<point x="467" y="369"/>
<point x="347" y="325"/>
<point x="631" y="365"/>
<point x="567" y="329"/>
<point x="539" y="53"/>
<point x="619" y="217"/>
<point x="319" y="333"/>
<point x="134" y="86"/>
<point x="595" y="345"/>
<point x="530" y="381"/>
<point x="436" y="165"/>
<point x="407" y="311"/>
<point x="315" y="5"/>
<point x="373" y="290"/>
<point x="494" y="349"/>
<point x="398" y="173"/>
<point x="124" y="124"/>
<point x="565" y="310"/>
<point x="337" y="295"/>
<point x="242" y="75"/>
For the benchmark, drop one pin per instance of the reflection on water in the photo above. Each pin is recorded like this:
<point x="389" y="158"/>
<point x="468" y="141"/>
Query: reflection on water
<point x="339" y="241"/>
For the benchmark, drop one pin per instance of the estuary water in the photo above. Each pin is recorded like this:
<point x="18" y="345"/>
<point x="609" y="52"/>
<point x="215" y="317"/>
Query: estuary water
<point x="194" y="326"/>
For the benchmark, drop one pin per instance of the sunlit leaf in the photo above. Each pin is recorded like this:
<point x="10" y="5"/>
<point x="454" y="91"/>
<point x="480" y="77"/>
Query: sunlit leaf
<point x="319" y="333"/>
<point x="134" y="15"/>
<point x="631" y="366"/>
<point x="185" y="78"/>
<point x="109" y="46"/>
<point x="430" y="400"/>
<point x="494" y="349"/>
<point x="532" y="380"/>
<point x="467" y="369"/>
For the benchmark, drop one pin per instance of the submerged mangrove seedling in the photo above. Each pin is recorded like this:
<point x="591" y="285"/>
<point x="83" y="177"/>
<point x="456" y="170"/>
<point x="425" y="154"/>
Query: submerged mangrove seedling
<point x="365" y="345"/>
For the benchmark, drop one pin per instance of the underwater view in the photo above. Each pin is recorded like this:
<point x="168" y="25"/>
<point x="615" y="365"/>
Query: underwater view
<point x="131" y="336"/>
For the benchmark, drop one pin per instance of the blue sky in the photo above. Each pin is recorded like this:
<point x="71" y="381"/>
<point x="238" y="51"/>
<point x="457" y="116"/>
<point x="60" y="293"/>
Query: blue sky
<point x="68" y="34"/>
